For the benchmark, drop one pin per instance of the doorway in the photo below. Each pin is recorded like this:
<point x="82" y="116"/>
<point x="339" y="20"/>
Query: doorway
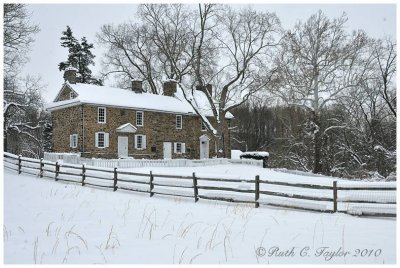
<point x="167" y="149"/>
<point x="122" y="147"/>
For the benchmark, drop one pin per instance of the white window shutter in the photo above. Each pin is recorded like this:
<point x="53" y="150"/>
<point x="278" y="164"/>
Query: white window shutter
<point x="136" y="141"/>
<point x="70" y="140"/>
<point x="106" y="139"/>
<point x="174" y="147"/>
<point x="183" y="148"/>
<point x="105" y="116"/>
<point x="96" y="143"/>
<point x="144" y="141"/>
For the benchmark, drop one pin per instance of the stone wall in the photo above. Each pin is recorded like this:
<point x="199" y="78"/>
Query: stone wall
<point x="158" y="128"/>
<point x="65" y="123"/>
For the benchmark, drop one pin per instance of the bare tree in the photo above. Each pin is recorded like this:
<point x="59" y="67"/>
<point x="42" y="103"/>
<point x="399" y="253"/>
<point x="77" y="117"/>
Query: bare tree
<point x="241" y="43"/>
<point x="154" y="49"/>
<point x="319" y="62"/>
<point x="384" y="53"/>
<point x="23" y="116"/>
<point x="22" y="102"/>
<point x="17" y="36"/>
<point x="213" y="45"/>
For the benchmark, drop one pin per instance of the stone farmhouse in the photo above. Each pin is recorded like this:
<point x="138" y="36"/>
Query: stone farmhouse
<point x="104" y="122"/>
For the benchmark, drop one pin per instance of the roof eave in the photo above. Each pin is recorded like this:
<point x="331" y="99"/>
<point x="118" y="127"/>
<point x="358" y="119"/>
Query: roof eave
<point x="52" y="107"/>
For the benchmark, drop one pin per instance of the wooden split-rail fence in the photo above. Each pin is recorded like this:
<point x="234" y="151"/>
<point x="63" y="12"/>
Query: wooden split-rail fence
<point x="257" y="191"/>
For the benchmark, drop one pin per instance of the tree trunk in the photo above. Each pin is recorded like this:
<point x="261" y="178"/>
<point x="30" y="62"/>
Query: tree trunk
<point x="5" y="140"/>
<point x="221" y="137"/>
<point x="317" y="143"/>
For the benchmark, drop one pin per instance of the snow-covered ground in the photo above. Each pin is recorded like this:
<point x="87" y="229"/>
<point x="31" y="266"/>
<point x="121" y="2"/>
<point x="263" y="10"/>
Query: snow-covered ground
<point x="54" y="222"/>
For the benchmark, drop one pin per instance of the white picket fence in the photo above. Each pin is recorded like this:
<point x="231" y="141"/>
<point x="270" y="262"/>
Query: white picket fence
<point x="71" y="158"/>
<point x="138" y="163"/>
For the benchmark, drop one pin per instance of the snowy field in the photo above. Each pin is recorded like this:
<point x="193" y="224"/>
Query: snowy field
<point x="54" y="222"/>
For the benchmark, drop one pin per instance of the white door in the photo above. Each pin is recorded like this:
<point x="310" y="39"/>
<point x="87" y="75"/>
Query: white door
<point x="122" y="146"/>
<point x="204" y="148"/>
<point x="167" y="150"/>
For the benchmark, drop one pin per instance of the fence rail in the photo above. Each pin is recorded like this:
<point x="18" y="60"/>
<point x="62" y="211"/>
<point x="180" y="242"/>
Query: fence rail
<point x="379" y="199"/>
<point x="137" y="163"/>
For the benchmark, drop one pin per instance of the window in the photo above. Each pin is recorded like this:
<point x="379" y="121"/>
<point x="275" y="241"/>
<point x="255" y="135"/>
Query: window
<point x="73" y="140"/>
<point x="140" y="142"/>
<point x="139" y="118"/>
<point x="101" y="139"/>
<point x="179" y="122"/>
<point x="203" y="126"/>
<point x="71" y="95"/>
<point x="101" y="115"/>
<point x="179" y="147"/>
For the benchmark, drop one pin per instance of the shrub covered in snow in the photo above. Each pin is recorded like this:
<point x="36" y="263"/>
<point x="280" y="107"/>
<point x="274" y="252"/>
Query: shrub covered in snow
<point x="256" y="155"/>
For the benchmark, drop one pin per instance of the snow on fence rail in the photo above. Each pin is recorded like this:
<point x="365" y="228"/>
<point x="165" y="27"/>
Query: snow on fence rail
<point x="356" y="198"/>
<point x="136" y="163"/>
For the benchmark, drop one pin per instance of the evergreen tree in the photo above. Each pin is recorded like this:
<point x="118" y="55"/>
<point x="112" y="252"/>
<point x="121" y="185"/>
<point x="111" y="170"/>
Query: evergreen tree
<point x="48" y="137"/>
<point x="85" y="57"/>
<point x="80" y="57"/>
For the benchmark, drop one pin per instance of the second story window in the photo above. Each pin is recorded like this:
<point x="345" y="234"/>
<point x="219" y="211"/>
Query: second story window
<point x="179" y="122"/>
<point x="139" y="119"/>
<point x="101" y="115"/>
<point x="203" y="126"/>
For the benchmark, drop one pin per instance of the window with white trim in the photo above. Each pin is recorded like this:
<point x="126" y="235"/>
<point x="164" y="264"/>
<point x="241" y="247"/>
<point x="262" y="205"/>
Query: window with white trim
<point x="102" y="139"/>
<point x="179" y="148"/>
<point x="179" y="122"/>
<point x="101" y="115"/>
<point x="73" y="140"/>
<point x="140" y="142"/>
<point x="139" y="118"/>
<point x="203" y="126"/>
<point x="71" y="95"/>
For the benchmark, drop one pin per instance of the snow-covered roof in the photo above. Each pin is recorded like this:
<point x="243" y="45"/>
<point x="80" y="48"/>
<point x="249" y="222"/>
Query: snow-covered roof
<point x="117" y="97"/>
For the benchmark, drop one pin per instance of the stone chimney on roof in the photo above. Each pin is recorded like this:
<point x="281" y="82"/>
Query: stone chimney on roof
<point x="169" y="88"/>
<point x="70" y="75"/>
<point x="206" y="88"/>
<point x="137" y="86"/>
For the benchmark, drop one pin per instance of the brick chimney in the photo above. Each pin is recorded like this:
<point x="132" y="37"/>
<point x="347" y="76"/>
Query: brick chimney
<point x="169" y="88"/>
<point x="70" y="75"/>
<point x="137" y="86"/>
<point x="205" y="88"/>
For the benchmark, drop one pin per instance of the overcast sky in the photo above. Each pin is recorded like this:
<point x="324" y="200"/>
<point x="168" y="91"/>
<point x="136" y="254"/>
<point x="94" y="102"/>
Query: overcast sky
<point x="378" y="20"/>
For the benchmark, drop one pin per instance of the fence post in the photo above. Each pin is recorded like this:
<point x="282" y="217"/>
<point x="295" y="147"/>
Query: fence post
<point x="19" y="164"/>
<point x="41" y="168"/>
<point x="151" y="184"/>
<point x="115" y="179"/>
<point x="57" y="170"/>
<point x="83" y="174"/>
<point x="334" y="196"/>
<point x="196" y="190"/>
<point x="257" y="191"/>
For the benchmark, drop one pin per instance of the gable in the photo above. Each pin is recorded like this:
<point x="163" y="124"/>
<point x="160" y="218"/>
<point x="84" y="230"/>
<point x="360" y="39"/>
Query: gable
<point x="127" y="128"/>
<point x="64" y="93"/>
